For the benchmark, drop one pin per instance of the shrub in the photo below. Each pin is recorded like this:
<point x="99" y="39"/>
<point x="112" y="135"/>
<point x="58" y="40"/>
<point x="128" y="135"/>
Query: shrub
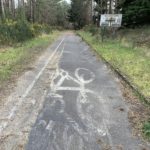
<point x="146" y="129"/>
<point x="6" y="31"/>
<point x="23" y="31"/>
<point x="12" y="31"/>
<point x="92" y="29"/>
<point x="59" y="28"/>
<point x="47" y="29"/>
<point x="19" y="31"/>
<point x="36" y="29"/>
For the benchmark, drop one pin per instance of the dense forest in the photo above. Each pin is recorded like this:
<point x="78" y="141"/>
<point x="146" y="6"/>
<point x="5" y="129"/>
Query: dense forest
<point x="135" y="12"/>
<point x="24" y="19"/>
<point x="54" y="12"/>
<point x="40" y="11"/>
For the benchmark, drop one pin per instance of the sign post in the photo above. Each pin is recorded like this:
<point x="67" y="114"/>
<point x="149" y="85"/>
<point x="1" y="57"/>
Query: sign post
<point x="110" y="21"/>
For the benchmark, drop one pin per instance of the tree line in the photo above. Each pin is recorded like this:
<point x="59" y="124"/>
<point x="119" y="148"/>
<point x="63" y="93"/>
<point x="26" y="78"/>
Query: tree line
<point x="21" y="20"/>
<point x="52" y="12"/>
<point x="81" y="12"/>
<point x="135" y="12"/>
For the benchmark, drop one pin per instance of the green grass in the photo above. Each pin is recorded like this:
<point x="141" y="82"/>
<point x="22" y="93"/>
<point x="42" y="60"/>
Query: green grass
<point x="134" y="63"/>
<point x="136" y="37"/>
<point x="146" y="129"/>
<point x="13" y="60"/>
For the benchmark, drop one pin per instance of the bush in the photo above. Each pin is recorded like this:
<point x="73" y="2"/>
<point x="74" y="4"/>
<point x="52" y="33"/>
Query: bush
<point x="146" y="129"/>
<point x="12" y="31"/>
<point x="38" y="29"/>
<point x="47" y="29"/>
<point x="19" y="31"/>
<point x="92" y="29"/>
<point x="23" y="31"/>
<point x="59" y="28"/>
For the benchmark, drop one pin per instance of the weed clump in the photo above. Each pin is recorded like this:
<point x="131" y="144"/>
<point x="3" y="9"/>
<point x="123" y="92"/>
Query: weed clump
<point x="146" y="129"/>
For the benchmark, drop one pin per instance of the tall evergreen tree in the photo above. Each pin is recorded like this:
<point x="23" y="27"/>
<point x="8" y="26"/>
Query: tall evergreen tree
<point x="136" y="12"/>
<point x="76" y="13"/>
<point x="80" y="12"/>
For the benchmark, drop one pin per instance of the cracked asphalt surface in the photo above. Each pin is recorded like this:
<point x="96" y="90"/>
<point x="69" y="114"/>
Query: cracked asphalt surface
<point x="82" y="107"/>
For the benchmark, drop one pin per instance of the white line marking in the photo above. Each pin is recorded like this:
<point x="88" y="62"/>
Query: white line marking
<point x="50" y="126"/>
<point x="80" y="76"/>
<point x="74" y="89"/>
<point x="41" y="72"/>
<point x="29" y="88"/>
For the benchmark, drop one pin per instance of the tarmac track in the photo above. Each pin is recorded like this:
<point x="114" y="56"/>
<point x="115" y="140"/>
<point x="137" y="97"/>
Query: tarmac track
<point x="69" y="101"/>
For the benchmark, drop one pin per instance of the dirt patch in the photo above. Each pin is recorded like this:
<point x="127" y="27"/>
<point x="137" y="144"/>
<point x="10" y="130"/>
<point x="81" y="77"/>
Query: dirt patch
<point x="105" y="146"/>
<point x="3" y="49"/>
<point x="138" y="113"/>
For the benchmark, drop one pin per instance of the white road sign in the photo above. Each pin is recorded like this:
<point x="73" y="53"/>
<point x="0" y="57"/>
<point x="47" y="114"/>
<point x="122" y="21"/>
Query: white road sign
<point x="111" y="20"/>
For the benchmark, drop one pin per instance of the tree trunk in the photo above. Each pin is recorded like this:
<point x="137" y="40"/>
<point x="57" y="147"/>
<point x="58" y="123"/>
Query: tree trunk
<point x="3" y="9"/>
<point x="13" y="8"/>
<point x="110" y="6"/>
<point x="32" y="9"/>
<point x="31" y="15"/>
<point x="116" y="6"/>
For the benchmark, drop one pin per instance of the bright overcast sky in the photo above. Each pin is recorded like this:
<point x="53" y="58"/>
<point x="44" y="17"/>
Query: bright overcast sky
<point x="68" y="1"/>
<point x="16" y="2"/>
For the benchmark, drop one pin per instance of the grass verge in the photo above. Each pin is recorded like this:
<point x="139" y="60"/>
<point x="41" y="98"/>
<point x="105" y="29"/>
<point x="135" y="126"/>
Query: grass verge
<point x="14" y="60"/>
<point x="130" y="62"/>
<point x="146" y="129"/>
<point x="133" y="63"/>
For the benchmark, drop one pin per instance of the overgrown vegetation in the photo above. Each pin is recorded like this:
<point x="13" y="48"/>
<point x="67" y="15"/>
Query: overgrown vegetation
<point x="129" y="52"/>
<point x="15" y="59"/>
<point x="35" y="11"/>
<point x="135" y="12"/>
<point x="146" y="129"/>
<point x="79" y="13"/>
<point x="19" y="31"/>
<point x="21" y="20"/>
<point x="131" y="59"/>
<point x="26" y="28"/>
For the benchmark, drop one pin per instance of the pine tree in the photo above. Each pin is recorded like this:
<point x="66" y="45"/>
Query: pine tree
<point x="80" y="13"/>
<point x="136" y="12"/>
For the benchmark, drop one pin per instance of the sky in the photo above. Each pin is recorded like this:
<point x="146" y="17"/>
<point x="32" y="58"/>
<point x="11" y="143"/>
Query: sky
<point x="65" y="0"/>
<point x="68" y="1"/>
<point x="16" y="2"/>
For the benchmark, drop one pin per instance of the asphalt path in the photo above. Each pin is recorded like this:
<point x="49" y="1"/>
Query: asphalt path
<point x="83" y="107"/>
